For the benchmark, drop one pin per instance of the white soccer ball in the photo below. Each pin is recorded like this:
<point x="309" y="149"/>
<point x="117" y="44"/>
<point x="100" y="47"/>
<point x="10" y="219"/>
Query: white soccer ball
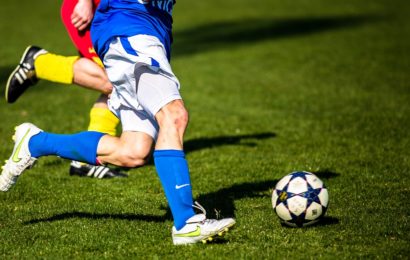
<point x="300" y="199"/>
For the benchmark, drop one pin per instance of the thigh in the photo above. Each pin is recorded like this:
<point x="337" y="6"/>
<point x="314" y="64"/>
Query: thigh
<point x="136" y="120"/>
<point x="141" y="74"/>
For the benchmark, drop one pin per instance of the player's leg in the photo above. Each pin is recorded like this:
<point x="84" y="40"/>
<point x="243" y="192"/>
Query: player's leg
<point x="39" y="64"/>
<point x="131" y="150"/>
<point x="188" y="227"/>
<point x="36" y="63"/>
<point x="32" y="143"/>
<point x="157" y="91"/>
<point x="90" y="75"/>
<point x="57" y="68"/>
<point x="101" y="120"/>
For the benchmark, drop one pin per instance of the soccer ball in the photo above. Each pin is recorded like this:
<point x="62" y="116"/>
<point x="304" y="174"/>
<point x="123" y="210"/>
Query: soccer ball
<point x="300" y="199"/>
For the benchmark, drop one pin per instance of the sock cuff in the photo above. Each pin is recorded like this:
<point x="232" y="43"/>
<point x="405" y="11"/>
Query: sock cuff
<point x="55" y="68"/>
<point x="169" y="153"/>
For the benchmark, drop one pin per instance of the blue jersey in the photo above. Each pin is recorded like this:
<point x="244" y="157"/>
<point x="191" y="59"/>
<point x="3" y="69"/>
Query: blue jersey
<point x="125" y="18"/>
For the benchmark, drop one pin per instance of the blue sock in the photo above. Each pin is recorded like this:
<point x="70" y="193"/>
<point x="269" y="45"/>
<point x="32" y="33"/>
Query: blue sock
<point x="172" y="169"/>
<point x="79" y="147"/>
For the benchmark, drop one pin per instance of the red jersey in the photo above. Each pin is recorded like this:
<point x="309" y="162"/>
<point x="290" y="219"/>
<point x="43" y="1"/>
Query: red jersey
<point x="81" y="39"/>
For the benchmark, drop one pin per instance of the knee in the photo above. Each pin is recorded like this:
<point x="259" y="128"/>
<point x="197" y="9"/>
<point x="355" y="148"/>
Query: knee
<point x="174" y="116"/>
<point x="106" y="87"/>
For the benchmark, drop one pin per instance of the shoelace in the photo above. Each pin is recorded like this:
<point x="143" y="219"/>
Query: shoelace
<point x="199" y="206"/>
<point x="26" y="66"/>
<point x="24" y="72"/>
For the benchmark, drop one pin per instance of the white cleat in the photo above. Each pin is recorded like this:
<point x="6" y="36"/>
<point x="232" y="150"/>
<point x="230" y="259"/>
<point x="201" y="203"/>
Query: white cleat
<point x="21" y="158"/>
<point x="200" y="229"/>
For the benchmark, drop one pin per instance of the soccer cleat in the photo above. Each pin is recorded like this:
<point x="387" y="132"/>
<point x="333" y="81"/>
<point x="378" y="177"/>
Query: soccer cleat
<point x="24" y="75"/>
<point x="200" y="229"/>
<point x="21" y="158"/>
<point x="87" y="170"/>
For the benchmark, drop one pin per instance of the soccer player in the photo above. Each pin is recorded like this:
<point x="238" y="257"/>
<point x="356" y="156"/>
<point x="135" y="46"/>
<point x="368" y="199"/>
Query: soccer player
<point x="133" y="38"/>
<point x="85" y="70"/>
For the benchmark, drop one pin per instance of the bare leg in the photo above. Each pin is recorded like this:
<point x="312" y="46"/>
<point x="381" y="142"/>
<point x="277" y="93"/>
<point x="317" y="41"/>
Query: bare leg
<point x="132" y="149"/>
<point x="172" y="120"/>
<point x="89" y="75"/>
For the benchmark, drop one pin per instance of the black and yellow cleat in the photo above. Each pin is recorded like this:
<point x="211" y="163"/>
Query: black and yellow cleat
<point x="24" y="75"/>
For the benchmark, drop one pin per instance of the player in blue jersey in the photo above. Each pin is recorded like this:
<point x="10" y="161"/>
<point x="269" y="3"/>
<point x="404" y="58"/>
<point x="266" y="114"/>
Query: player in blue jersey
<point x="133" y="39"/>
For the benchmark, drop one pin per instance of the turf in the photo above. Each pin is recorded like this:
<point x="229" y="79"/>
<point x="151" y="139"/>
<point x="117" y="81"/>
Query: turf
<point x="272" y="87"/>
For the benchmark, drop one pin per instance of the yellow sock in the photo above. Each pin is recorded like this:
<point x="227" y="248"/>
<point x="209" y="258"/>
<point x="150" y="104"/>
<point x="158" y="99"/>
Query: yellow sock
<point x="102" y="120"/>
<point x="55" y="68"/>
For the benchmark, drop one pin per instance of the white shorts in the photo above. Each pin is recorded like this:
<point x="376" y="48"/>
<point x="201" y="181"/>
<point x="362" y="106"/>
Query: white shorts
<point x="143" y="82"/>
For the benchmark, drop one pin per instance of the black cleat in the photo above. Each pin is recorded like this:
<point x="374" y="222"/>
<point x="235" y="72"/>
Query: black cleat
<point x="100" y="172"/>
<point x="24" y="75"/>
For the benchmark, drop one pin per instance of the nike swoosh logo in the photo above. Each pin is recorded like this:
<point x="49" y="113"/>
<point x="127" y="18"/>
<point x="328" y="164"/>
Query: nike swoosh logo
<point x="194" y="233"/>
<point x="16" y="157"/>
<point x="181" y="186"/>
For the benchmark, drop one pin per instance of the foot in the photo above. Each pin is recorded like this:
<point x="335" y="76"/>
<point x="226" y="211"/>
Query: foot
<point x="24" y="75"/>
<point x="87" y="170"/>
<point x="21" y="158"/>
<point x="200" y="229"/>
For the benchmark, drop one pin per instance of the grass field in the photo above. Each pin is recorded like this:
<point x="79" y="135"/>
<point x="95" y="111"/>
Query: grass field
<point x="272" y="87"/>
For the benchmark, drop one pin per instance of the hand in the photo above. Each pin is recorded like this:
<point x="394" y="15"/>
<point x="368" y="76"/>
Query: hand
<point x="82" y="14"/>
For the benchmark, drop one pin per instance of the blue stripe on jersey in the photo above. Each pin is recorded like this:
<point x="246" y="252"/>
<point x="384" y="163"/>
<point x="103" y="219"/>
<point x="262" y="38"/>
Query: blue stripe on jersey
<point x="127" y="46"/>
<point x="154" y="63"/>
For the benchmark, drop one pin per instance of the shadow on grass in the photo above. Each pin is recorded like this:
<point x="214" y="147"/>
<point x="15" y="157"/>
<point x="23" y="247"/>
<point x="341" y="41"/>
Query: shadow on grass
<point x="211" y="142"/>
<point x="220" y="204"/>
<point x="86" y="215"/>
<point x="223" y="200"/>
<point x="327" y="220"/>
<point x="326" y="174"/>
<point x="324" y="221"/>
<point x="228" y="34"/>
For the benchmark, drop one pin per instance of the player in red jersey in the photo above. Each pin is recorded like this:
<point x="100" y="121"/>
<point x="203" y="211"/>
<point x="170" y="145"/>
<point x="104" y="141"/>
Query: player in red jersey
<point x="85" y="70"/>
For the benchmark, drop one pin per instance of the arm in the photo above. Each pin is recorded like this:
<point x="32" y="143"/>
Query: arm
<point x="82" y="14"/>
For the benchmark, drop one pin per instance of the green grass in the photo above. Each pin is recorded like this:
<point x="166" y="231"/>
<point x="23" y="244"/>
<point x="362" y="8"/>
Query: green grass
<point x="272" y="87"/>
